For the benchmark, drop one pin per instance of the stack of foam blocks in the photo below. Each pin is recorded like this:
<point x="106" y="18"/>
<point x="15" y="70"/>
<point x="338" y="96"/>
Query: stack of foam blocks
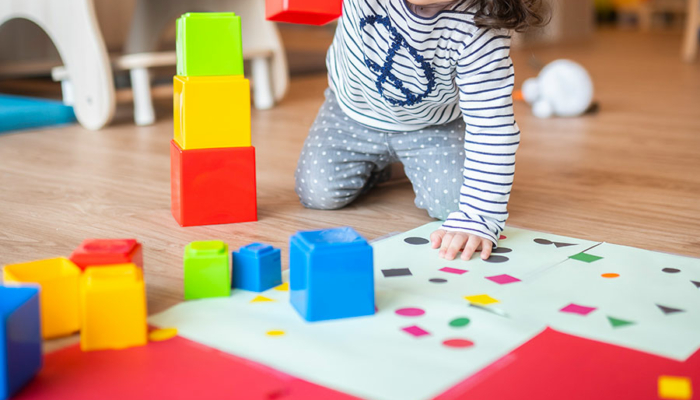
<point x="212" y="160"/>
<point x="99" y="292"/>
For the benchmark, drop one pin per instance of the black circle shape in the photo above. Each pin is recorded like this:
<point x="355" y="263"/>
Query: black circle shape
<point x="497" y="259"/>
<point x="543" y="241"/>
<point x="438" y="280"/>
<point x="416" y="240"/>
<point x="671" y="270"/>
<point x="501" y="250"/>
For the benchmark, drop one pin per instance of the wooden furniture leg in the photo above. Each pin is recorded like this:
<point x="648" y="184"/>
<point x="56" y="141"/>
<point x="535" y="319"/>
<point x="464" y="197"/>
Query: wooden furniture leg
<point x="260" y="34"/>
<point x="144" y="114"/>
<point x="72" y="26"/>
<point x="262" y="87"/>
<point x="269" y="74"/>
<point x="692" y="30"/>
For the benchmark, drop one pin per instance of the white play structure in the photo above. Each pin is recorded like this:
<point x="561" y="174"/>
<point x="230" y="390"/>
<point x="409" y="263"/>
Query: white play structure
<point x="87" y="72"/>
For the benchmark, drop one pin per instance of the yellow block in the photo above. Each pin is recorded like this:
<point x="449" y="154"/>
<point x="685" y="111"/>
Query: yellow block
<point x="58" y="296"/>
<point x="211" y="111"/>
<point x="113" y="307"/>
<point x="675" y="387"/>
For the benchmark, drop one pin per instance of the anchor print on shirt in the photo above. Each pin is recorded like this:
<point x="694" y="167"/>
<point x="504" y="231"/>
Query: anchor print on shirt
<point x="385" y="72"/>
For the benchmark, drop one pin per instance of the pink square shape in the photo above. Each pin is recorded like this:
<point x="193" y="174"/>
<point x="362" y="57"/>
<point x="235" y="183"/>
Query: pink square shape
<point x="415" y="330"/>
<point x="503" y="279"/>
<point x="577" y="309"/>
<point x="453" y="270"/>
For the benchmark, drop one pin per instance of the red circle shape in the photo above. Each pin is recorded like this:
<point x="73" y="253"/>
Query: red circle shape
<point x="410" y="312"/>
<point x="458" y="343"/>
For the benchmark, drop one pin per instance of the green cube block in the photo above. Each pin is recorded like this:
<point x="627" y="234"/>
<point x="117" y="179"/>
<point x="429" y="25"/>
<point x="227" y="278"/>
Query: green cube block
<point x="209" y="44"/>
<point x="207" y="272"/>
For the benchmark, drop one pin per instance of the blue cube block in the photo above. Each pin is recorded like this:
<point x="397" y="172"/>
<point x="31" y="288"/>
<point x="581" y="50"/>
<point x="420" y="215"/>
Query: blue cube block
<point x="256" y="267"/>
<point x="20" y="338"/>
<point x="331" y="274"/>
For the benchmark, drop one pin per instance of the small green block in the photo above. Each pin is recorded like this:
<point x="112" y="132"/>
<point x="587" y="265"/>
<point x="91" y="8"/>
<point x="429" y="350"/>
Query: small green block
<point x="209" y="44"/>
<point x="589" y="258"/>
<point x="207" y="272"/>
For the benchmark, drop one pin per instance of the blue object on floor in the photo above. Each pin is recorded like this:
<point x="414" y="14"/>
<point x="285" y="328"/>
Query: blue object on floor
<point x="18" y="112"/>
<point x="256" y="267"/>
<point x="331" y="274"/>
<point x="20" y="338"/>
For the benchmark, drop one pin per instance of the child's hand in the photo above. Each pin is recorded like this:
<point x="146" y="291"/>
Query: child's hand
<point x="450" y="243"/>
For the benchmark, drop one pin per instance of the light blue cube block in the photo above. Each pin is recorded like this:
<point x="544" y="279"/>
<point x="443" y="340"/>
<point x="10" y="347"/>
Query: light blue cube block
<point x="256" y="267"/>
<point x="20" y="338"/>
<point x="331" y="274"/>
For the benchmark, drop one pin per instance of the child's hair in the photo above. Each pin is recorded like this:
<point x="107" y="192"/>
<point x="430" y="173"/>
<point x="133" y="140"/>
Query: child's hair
<point x="509" y="14"/>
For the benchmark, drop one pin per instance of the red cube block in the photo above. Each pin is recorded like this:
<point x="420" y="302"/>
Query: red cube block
<point x="106" y="252"/>
<point x="213" y="186"/>
<point x="310" y="12"/>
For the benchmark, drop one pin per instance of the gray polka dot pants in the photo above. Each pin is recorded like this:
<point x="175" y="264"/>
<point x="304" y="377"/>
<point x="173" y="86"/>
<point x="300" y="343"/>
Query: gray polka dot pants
<point x="342" y="159"/>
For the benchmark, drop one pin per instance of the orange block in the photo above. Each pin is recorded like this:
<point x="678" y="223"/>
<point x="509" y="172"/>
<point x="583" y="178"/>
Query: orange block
<point x="58" y="279"/>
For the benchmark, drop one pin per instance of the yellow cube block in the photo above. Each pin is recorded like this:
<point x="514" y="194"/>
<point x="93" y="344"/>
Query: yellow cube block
<point x="113" y="307"/>
<point x="211" y="111"/>
<point x="675" y="387"/>
<point x="59" y="281"/>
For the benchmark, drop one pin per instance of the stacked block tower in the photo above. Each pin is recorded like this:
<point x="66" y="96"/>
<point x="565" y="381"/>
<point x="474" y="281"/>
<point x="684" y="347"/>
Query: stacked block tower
<point x="212" y="160"/>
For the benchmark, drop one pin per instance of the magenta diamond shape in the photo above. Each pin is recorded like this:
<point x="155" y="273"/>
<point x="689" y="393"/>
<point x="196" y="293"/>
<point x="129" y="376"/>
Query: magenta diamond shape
<point x="415" y="330"/>
<point x="578" y="309"/>
<point x="453" y="270"/>
<point x="503" y="279"/>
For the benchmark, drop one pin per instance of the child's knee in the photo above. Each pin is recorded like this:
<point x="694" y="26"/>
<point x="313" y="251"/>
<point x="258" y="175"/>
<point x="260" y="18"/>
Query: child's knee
<point x="318" y="193"/>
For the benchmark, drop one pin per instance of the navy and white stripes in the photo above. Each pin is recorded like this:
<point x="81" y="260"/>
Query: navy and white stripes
<point x="394" y="70"/>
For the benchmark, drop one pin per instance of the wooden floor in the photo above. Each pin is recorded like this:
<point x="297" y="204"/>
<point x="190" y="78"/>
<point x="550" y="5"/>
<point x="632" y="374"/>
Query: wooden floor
<point x="628" y="175"/>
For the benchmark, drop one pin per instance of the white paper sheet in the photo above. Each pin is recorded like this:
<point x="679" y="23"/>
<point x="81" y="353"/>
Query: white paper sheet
<point x="369" y="357"/>
<point x="526" y="261"/>
<point x="633" y="296"/>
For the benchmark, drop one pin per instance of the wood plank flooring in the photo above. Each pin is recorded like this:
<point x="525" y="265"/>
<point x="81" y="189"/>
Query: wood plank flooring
<point x="629" y="174"/>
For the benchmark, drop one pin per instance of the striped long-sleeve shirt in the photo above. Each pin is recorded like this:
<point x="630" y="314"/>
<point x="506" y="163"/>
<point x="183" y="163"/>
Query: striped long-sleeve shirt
<point x="394" y="70"/>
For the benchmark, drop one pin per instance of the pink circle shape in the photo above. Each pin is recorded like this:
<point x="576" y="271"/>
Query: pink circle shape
<point x="410" y="312"/>
<point x="458" y="343"/>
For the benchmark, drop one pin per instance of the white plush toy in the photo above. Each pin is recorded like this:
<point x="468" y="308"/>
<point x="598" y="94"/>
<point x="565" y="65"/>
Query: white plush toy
<point x="563" y="89"/>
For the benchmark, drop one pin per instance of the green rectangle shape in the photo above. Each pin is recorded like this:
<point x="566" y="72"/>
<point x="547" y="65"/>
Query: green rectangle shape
<point x="207" y="271"/>
<point x="209" y="44"/>
<point x="589" y="258"/>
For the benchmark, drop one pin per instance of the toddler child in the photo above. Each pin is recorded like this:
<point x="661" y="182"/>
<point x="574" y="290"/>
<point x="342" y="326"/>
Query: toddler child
<point x="427" y="83"/>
